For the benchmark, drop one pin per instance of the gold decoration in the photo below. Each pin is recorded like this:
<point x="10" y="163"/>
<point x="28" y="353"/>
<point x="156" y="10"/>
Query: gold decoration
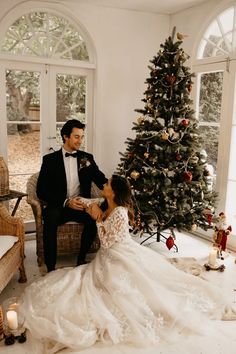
<point x="165" y="136"/>
<point x="140" y="120"/>
<point x="181" y="36"/>
<point x="135" y="175"/>
<point x="146" y="154"/>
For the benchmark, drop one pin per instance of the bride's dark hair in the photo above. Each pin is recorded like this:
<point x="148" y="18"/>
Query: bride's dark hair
<point x="123" y="197"/>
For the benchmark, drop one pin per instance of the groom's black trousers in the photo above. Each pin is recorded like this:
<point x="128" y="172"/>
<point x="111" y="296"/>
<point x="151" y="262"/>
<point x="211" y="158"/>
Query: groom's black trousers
<point x="54" y="216"/>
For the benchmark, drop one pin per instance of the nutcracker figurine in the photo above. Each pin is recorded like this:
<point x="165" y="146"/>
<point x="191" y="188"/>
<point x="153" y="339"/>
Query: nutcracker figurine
<point x="221" y="233"/>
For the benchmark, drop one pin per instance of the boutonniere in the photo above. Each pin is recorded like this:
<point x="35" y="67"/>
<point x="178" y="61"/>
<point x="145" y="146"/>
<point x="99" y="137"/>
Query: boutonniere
<point x="84" y="162"/>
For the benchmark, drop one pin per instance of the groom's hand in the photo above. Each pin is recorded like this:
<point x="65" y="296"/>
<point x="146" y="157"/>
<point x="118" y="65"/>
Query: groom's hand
<point x="76" y="204"/>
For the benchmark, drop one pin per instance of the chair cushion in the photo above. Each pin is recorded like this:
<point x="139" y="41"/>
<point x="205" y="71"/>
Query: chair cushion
<point x="6" y="242"/>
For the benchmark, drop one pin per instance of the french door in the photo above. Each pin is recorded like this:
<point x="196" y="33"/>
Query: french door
<point x="38" y="100"/>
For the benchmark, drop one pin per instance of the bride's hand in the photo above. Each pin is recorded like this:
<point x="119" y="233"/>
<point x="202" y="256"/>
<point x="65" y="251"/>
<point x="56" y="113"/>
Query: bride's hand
<point x="95" y="212"/>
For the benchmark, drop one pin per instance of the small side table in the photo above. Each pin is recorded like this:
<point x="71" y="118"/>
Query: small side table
<point x="13" y="195"/>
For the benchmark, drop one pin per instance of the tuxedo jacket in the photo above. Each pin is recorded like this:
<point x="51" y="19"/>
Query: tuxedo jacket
<point x="52" y="184"/>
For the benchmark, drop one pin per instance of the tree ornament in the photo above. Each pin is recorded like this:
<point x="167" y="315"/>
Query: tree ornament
<point x="170" y="242"/>
<point x="140" y="120"/>
<point x="189" y="87"/>
<point x="171" y="79"/>
<point x="165" y="136"/>
<point x="185" y="122"/>
<point x="188" y="176"/>
<point x="181" y="36"/>
<point x="130" y="154"/>
<point x="146" y="154"/>
<point x="135" y="175"/>
<point x="194" y="159"/>
<point x="178" y="157"/>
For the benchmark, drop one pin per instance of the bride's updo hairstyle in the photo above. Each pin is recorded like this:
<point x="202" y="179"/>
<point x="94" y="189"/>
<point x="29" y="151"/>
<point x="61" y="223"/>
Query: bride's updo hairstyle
<point x="123" y="196"/>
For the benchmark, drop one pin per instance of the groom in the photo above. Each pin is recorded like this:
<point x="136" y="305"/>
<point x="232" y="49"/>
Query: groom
<point x="66" y="174"/>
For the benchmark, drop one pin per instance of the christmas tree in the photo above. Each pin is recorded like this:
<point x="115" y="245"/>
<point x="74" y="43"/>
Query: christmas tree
<point x="166" y="163"/>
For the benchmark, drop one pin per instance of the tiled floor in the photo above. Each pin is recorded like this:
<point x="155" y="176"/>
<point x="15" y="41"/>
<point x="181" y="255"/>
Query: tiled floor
<point x="188" y="246"/>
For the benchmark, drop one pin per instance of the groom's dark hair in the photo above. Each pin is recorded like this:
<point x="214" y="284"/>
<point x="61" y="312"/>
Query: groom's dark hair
<point x="68" y="127"/>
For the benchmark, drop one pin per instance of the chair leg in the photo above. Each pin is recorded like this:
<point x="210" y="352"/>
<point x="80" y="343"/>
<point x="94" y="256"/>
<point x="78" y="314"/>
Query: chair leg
<point x="40" y="261"/>
<point x="22" y="278"/>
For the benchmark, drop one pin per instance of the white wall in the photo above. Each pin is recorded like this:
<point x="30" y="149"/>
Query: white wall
<point x="125" y="41"/>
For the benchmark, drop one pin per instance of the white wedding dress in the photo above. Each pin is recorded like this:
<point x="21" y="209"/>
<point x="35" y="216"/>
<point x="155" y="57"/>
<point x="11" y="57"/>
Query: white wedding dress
<point x="127" y="294"/>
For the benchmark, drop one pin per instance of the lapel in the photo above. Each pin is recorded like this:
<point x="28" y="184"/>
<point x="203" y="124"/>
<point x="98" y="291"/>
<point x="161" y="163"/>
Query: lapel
<point x="61" y="167"/>
<point x="80" y="155"/>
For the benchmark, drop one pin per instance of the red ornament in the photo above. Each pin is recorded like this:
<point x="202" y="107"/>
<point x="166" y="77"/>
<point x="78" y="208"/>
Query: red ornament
<point x="209" y="219"/>
<point x="185" y="122"/>
<point x="170" y="79"/>
<point x="189" y="87"/>
<point x="178" y="157"/>
<point x="170" y="242"/>
<point x="188" y="176"/>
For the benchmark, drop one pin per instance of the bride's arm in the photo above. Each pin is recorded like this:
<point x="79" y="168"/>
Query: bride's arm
<point x="114" y="229"/>
<point x="89" y="201"/>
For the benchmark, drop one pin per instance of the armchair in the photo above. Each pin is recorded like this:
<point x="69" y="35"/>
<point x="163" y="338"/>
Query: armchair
<point x="68" y="234"/>
<point x="13" y="259"/>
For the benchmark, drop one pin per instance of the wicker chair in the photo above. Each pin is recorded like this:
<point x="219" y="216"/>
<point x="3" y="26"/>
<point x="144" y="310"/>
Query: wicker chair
<point x="13" y="259"/>
<point x="68" y="234"/>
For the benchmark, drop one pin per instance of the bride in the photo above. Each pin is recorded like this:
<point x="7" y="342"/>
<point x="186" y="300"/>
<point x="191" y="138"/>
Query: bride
<point x="127" y="294"/>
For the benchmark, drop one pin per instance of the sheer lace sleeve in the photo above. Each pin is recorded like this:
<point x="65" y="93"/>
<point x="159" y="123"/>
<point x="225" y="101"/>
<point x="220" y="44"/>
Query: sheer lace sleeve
<point x="115" y="228"/>
<point x="89" y="201"/>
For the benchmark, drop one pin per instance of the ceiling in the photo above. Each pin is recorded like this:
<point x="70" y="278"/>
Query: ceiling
<point x="156" y="6"/>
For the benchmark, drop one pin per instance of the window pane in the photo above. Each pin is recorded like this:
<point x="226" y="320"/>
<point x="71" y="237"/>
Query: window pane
<point x="232" y="169"/>
<point x="210" y="97"/>
<point x="226" y="19"/>
<point x="210" y="136"/>
<point x="23" y="95"/>
<point x="71" y="97"/>
<point x="46" y="35"/>
<point x="23" y="160"/>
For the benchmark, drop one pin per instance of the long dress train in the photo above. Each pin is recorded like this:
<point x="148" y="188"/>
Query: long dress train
<point x="127" y="294"/>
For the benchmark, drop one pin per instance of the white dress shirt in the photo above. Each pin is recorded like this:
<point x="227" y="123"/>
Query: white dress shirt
<point x="72" y="179"/>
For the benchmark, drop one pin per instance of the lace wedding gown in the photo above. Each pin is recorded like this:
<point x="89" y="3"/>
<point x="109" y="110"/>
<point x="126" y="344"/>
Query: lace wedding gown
<point x="127" y="294"/>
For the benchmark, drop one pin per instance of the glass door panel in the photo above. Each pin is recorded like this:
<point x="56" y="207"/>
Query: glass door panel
<point x="23" y="131"/>
<point x="70" y="102"/>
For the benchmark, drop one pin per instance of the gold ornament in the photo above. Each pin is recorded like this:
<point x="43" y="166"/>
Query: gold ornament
<point x="135" y="175"/>
<point x="140" y="120"/>
<point x="181" y="36"/>
<point x="165" y="136"/>
<point x="146" y="154"/>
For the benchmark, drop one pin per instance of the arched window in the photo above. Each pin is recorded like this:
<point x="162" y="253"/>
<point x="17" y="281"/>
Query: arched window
<point x="215" y="69"/>
<point x="45" y="35"/>
<point x="220" y="36"/>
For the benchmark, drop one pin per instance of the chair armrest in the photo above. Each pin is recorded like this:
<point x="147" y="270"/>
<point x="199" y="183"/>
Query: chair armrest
<point x="11" y="225"/>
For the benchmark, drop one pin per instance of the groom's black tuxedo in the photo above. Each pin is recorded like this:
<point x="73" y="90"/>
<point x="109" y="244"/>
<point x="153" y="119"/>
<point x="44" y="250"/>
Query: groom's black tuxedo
<point x="52" y="186"/>
<point x="52" y="189"/>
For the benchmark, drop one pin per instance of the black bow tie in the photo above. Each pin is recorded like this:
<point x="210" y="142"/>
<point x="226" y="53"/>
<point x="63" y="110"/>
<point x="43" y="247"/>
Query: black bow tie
<point x="67" y="154"/>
